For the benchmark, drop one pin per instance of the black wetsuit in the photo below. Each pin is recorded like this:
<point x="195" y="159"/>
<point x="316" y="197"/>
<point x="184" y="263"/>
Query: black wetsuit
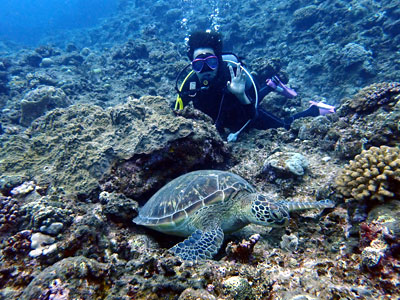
<point x="225" y="109"/>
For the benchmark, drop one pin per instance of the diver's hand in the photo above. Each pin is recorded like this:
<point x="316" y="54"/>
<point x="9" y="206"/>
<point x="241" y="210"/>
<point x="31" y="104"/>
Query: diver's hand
<point x="237" y="84"/>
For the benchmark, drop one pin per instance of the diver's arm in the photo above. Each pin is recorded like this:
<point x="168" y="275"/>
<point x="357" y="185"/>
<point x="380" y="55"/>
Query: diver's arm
<point x="237" y="85"/>
<point x="250" y="110"/>
<point x="243" y="98"/>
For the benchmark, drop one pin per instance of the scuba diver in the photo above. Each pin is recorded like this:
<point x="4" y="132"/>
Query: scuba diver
<point x="221" y="87"/>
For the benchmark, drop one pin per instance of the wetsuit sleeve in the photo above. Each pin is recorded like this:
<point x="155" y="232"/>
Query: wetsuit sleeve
<point x="250" y="110"/>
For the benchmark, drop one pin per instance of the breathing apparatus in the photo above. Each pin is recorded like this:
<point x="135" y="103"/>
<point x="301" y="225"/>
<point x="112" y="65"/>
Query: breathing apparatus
<point x="232" y="60"/>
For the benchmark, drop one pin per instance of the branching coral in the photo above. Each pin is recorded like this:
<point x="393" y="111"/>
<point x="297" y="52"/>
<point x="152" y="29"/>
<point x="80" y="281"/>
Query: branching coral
<point x="372" y="175"/>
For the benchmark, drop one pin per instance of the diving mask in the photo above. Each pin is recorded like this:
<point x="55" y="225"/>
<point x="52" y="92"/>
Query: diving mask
<point x="211" y="61"/>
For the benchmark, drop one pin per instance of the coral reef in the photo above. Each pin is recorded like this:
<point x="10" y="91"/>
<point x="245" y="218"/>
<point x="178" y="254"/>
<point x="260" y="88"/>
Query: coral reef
<point x="353" y="53"/>
<point x="284" y="165"/>
<point x="3" y="82"/>
<point x="136" y="140"/>
<point x="45" y="214"/>
<point x="368" y="119"/>
<point x="380" y="251"/>
<point x="317" y="127"/>
<point x="131" y="50"/>
<point x="9" y="214"/>
<point x="372" y="98"/>
<point x="242" y="251"/>
<point x="192" y="294"/>
<point x="23" y="189"/>
<point x="118" y="207"/>
<point x="18" y="245"/>
<point x="305" y="17"/>
<point x="32" y="59"/>
<point x="98" y="255"/>
<point x="388" y="215"/>
<point x="263" y="68"/>
<point x="56" y="291"/>
<point x="239" y="288"/>
<point x="42" y="244"/>
<point x="38" y="101"/>
<point x="74" y="269"/>
<point x="76" y="175"/>
<point x="289" y="242"/>
<point x="374" y="175"/>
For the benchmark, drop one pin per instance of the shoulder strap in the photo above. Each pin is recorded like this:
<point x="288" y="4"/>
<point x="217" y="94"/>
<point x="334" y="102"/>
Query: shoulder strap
<point x="179" y="101"/>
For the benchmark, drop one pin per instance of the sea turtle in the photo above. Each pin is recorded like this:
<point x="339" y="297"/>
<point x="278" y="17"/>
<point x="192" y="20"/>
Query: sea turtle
<point x="202" y="205"/>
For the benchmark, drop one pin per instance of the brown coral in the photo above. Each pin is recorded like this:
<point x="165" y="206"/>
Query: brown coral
<point x="372" y="175"/>
<point x="242" y="251"/>
<point x="18" y="245"/>
<point x="375" y="95"/>
<point x="9" y="213"/>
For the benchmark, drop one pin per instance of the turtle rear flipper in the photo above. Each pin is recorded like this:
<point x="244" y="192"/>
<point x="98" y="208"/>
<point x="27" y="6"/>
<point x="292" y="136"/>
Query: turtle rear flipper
<point x="200" y="245"/>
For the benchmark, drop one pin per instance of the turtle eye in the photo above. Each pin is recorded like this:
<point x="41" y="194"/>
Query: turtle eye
<point x="276" y="214"/>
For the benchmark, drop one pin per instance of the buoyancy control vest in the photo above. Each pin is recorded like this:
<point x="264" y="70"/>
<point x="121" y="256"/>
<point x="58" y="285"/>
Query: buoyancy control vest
<point x="231" y="60"/>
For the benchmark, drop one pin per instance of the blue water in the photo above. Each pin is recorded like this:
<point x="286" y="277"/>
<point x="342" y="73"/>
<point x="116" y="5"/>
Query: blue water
<point x="26" y="21"/>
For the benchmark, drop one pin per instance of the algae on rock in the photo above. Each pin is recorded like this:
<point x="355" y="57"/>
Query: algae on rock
<point x="70" y="149"/>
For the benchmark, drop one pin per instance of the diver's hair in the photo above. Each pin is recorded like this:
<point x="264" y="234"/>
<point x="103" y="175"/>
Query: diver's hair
<point x="204" y="39"/>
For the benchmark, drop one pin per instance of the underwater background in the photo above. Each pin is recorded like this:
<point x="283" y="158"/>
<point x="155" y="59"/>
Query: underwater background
<point x="87" y="135"/>
<point x="27" y="22"/>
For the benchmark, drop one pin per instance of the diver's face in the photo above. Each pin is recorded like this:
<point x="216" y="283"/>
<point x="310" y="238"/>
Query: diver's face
<point x="208" y="67"/>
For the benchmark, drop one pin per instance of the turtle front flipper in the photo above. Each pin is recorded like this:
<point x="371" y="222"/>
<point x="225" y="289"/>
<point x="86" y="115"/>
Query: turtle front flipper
<point x="200" y="245"/>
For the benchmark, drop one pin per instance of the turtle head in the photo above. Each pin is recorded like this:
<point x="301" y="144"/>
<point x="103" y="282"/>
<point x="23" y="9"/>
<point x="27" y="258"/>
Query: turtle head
<point x="266" y="212"/>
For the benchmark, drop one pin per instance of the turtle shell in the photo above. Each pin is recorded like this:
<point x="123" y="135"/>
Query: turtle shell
<point x="184" y="195"/>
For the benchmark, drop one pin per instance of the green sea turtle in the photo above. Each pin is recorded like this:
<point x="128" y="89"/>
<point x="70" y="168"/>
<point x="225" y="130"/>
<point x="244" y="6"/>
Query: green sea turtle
<point x="202" y="205"/>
